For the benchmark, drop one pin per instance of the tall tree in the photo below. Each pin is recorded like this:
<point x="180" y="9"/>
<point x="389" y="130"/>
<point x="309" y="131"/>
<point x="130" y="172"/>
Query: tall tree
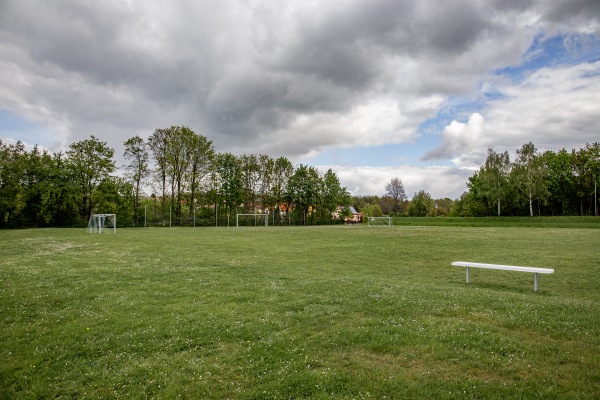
<point x="250" y="170"/>
<point x="282" y="171"/>
<point x="89" y="162"/>
<point x="333" y="195"/>
<point x="202" y="154"/>
<point x="136" y="151"/>
<point x="560" y="181"/>
<point x="60" y="197"/>
<point x="494" y="176"/>
<point x="586" y="166"/>
<point x="530" y="173"/>
<point x="159" y="144"/>
<point x="594" y="156"/>
<point x="178" y="161"/>
<point x="229" y="182"/>
<point x="12" y="172"/>
<point x="266" y="167"/>
<point x="395" y="189"/>
<point x="304" y="188"/>
<point x="39" y="167"/>
<point x="422" y="205"/>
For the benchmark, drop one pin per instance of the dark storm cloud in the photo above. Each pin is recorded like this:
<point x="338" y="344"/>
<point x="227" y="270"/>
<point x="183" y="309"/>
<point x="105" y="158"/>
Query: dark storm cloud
<point x="213" y="66"/>
<point x="347" y="46"/>
<point x="582" y="11"/>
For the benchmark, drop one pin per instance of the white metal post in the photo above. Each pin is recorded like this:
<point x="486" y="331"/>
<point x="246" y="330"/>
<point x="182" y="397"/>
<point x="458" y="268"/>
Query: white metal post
<point x="467" y="274"/>
<point x="535" y="282"/>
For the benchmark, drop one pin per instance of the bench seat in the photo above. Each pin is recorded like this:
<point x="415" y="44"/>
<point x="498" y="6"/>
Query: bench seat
<point x="533" y="270"/>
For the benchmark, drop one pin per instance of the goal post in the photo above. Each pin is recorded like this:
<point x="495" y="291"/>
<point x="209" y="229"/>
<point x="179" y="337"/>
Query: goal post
<point x="101" y="222"/>
<point x="251" y="220"/>
<point x="386" y="222"/>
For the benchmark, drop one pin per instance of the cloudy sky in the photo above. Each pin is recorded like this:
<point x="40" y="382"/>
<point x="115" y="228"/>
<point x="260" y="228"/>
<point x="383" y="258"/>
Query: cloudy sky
<point x="373" y="89"/>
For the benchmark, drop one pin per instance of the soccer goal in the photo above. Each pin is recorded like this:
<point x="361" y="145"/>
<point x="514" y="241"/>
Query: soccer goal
<point x="101" y="222"/>
<point x="252" y="220"/>
<point x="386" y="222"/>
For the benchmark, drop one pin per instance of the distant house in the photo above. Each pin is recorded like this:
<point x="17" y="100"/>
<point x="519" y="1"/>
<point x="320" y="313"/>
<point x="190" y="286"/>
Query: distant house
<point x="356" y="217"/>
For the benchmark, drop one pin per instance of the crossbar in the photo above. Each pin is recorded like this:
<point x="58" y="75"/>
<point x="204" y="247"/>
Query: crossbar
<point x="535" y="271"/>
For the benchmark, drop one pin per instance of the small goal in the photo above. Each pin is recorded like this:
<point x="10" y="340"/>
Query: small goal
<point x="101" y="222"/>
<point x="251" y="220"/>
<point x="386" y="222"/>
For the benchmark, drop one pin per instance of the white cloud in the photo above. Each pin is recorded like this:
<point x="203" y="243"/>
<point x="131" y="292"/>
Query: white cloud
<point x="248" y="72"/>
<point x="463" y="143"/>
<point x="439" y="181"/>
<point x="553" y="108"/>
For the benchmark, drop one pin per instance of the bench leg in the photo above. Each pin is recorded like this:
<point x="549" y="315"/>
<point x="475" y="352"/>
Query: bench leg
<point x="467" y="274"/>
<point x="535" y="282"/>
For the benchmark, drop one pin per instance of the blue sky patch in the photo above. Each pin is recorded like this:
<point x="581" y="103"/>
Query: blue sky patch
<point x="14" y="127"/>
<point x="550" y="52"/>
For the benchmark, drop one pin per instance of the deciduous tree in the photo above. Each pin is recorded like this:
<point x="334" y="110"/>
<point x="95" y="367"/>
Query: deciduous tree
<point x="12" y="173"/>
<point x="229" y="182"/>
<point x="304" y="187"/>
<point x="159" y="143"/>
<point x="530" y="173"/>
<point x="332" y="196"/>
<point x="395" y="189"/>
<point x="202" y="154"/>
<point x="89" y="162"/>
<point x="422" y="205"/>
<point x="282" y="171"/>
<point x="136" y="152"/>
<point x="494" y="176"/>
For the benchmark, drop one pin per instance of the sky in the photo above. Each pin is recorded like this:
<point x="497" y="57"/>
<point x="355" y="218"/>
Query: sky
<point x="373" y="89"/>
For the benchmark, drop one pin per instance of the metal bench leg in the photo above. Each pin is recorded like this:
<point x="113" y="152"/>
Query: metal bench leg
<point x="467" y="274"/>
<point x="535" y="282"/>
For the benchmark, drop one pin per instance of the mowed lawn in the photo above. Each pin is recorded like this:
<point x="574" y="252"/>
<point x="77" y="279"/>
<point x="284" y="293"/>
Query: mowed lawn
<point x="344" y="312"/>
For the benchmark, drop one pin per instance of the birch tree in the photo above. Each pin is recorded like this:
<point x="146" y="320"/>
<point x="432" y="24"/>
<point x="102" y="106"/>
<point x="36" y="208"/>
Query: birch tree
<point x="529" y="173"/>
<point x="159" y="143"/>
<point x="494" y="176"/>
<point x="136" y="152"/>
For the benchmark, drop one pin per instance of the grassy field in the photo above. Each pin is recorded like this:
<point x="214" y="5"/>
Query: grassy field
<point x="512" y="222"/>
<point x="286" y="313"/>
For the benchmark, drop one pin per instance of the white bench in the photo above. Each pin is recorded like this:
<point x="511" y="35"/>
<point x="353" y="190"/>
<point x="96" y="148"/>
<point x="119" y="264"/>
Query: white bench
<point x="535" y="271"/>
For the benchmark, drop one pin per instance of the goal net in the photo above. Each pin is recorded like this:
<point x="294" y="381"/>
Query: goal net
<point x="252" y="220"/>
<point x="386" y="222"/>
<point x="101" y="222"/>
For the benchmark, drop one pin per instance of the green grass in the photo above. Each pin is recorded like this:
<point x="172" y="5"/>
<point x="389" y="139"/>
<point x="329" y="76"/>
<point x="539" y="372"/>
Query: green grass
<point x="530" y="222"/>
<point x="321" y="312"/>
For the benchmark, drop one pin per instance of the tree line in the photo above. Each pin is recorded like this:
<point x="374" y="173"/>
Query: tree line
<point x="193" y="184"/>
<point x="189" y="181"/>
<point x="534" y="183"/>
<point x="395" y="203"/>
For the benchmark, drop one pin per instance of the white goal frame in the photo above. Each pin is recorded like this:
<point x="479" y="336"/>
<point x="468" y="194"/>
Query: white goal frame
<point x="390" y="221"/>
<point x="97" y="222"/>
<point x="237" y="216"/>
